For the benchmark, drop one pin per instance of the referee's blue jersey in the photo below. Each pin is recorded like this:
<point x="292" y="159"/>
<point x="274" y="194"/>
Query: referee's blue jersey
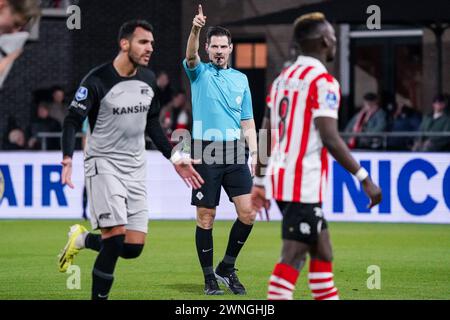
<point x="221" y="99"/>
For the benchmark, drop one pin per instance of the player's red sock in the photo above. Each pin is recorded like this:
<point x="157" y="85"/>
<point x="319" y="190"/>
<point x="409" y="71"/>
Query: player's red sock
<point x="282" y="282"/>
<point x="321" y="280"/>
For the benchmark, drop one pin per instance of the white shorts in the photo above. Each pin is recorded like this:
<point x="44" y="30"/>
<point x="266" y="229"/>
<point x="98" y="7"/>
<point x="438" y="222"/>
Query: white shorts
<point x="116" y="202"/>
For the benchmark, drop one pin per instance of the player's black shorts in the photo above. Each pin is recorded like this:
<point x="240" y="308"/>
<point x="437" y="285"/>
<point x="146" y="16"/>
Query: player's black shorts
<point x="223" y="164"/>
<point x="302" y="221"/>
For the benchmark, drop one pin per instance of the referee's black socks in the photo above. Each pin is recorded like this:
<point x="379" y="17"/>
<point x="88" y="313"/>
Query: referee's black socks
<point x="204" y="244"/>
<point x="238" y="235"/>
<point x="102" y="274"/>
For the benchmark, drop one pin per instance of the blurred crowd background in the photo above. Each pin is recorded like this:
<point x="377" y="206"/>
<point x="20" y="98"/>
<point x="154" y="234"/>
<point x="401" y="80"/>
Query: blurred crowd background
<point x="392" y="96"/>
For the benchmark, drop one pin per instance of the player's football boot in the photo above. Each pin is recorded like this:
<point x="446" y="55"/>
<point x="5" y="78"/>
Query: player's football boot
<point x="70" y="250"/>
<point x="231" y="281"/>
<point x="212" y="288"/>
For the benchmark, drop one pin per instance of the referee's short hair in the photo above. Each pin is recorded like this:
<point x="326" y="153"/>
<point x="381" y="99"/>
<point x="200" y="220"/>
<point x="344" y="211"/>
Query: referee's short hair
<point x="218" y="31"/>
<point x="308" y="26"/>
<point x="127" y="29"/>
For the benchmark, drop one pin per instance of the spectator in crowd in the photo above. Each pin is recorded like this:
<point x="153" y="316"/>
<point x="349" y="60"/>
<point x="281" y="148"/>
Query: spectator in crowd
<point x="11" y="123"/>
<point x="15" y="14"/>
<point x="437" y="121"/>
<point x="176" y="114"/>
<point x="16" y="140"/>
<point x="165" y="89"/>
<point x="43" y="123"/>
<point x="57" y="108"/>
<point x="406" y="119"/>
<point x="371" y="119"/>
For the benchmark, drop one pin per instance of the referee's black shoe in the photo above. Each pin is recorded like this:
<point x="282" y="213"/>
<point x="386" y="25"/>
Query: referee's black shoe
<point x="231" y="280"/>
<point x="212" y="288"/>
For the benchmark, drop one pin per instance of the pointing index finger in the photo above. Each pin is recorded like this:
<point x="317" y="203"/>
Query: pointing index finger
<point x="200" y="10"/>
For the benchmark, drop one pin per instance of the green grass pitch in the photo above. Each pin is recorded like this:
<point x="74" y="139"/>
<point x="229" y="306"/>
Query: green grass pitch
<point x="414" y="261"/>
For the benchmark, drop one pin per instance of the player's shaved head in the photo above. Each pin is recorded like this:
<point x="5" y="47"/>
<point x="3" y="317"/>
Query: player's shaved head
<point x="313" y="34"/>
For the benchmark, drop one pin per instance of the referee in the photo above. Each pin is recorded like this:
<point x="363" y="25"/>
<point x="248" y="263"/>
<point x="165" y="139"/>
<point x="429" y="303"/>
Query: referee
<point x="222" y="107"/>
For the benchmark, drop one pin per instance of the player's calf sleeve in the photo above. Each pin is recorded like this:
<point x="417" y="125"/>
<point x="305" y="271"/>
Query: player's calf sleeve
<point x="131" y="250"/>
<point x="238" y="235"/>
<point x="102" y="274"/>
<point x="282" y="282"/>
<point x="320" y="279"/>
<point x="204" y="244"/>
<point x="93" y="241"/>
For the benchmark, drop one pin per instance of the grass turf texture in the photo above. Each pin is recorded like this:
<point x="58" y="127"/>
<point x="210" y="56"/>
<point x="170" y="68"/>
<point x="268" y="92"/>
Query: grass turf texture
<point x="414" y="261"/>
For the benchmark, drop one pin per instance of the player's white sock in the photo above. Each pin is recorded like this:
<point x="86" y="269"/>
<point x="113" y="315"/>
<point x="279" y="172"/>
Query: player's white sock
<point x="80" y="240"/>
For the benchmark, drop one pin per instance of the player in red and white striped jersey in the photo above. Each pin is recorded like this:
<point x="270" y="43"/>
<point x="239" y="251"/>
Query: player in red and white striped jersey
<point x="304" y="91"/>
<point x="303" y="110"/>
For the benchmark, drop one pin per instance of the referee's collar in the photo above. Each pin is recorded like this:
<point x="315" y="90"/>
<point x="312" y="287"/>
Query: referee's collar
<point x="218" y="69"/>
<point x="310" y="61"/>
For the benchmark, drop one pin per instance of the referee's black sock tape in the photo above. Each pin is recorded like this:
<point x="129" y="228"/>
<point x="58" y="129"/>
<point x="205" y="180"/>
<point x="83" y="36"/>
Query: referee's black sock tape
<point x="204" y="244"/>
<point x="102" y="274"/>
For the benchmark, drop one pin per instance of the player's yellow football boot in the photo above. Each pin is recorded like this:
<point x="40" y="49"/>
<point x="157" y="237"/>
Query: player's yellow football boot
<point x="70" y="250"/>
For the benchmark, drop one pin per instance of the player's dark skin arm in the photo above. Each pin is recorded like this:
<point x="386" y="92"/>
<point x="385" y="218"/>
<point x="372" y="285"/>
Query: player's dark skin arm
<point x="331" y="139"/>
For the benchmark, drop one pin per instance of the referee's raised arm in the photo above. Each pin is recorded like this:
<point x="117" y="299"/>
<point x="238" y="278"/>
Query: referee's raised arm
<point x="192" y="57"/>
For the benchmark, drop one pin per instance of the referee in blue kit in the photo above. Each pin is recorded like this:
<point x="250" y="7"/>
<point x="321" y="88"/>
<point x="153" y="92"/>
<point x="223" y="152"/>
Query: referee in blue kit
<point x="222" y="108"/>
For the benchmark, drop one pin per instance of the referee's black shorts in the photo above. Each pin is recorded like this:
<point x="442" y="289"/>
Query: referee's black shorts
<point x="223" y="164"/>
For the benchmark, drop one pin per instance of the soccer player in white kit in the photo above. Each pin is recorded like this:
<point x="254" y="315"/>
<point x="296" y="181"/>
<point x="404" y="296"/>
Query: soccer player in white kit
<point x="120" y="101"/>
<point x="302" y="116"/>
